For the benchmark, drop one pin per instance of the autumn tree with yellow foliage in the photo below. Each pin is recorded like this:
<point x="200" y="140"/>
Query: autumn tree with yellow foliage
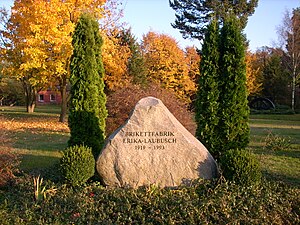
<point x="193" y="61"/>
<point x="39" y="43"/>
<point x="38" y="46"/>
<point x="23" y="52"/>
<point x="253" y="73"/>
<point x="115" y="59"/>
<point x="166" y="64"/>
<point x="38" y="49"/>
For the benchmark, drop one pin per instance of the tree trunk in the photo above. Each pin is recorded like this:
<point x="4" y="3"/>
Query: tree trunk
<point x="64" y="108"/>
<point x="30" y="108"/>
<point x="293" y="91"/>
<point x="30" y="96"/>
<point x="31" y="101"/>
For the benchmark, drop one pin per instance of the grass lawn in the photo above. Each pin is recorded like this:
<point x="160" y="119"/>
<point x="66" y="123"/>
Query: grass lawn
<point x="40" y="138"/>
<point x="283" y="165"/>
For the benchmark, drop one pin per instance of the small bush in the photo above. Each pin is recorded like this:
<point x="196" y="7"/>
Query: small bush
<point x="77" y="164"/>
<point x="274" y="142"/>
<point x="241" y="166"/>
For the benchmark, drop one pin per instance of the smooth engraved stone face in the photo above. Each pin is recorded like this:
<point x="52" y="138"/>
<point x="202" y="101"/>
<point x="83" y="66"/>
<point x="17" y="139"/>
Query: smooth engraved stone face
<point x="152" y="147"/>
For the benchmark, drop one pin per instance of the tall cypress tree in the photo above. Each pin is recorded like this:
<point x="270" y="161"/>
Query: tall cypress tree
<point x="234" y="112"/>
<point x="207" y="103"/>
<point x="87" y="104"/>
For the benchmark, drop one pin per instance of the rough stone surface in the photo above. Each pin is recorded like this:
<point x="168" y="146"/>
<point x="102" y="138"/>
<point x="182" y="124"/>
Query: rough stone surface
<point x="152" y="147"/>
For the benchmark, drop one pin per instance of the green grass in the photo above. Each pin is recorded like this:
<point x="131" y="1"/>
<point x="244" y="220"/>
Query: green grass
<point x="41" y="146"/>
<point x="38" y="137"/>
<point x="280" y="165"/>
<point x="40" y="111"/>
<point x="39" y="149"/>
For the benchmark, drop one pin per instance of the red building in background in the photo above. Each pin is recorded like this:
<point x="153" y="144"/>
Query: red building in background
<point x="48" y="97"/>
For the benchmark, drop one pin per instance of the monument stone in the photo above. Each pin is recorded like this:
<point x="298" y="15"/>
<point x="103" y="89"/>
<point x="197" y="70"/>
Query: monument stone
<point x="153" y="147"/>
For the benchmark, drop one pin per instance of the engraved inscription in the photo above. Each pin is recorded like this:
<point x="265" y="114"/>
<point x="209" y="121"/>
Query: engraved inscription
<point x="155" y="140"/>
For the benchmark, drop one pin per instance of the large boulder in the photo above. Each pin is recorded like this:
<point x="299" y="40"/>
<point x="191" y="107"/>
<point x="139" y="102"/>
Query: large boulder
<point x="152" y="147"/>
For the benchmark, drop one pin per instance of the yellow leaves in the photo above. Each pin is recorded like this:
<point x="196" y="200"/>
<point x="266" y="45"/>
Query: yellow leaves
<point x="193" y="62"/>
<point x="115" y="59"/>
<point x="42" y="40"/>
<point x="41" y="36"/>
<point x="167" y="64"/>
<point x="254" y="85"/>
<point x="74" y="8"/>
<point x="33" y="125"/>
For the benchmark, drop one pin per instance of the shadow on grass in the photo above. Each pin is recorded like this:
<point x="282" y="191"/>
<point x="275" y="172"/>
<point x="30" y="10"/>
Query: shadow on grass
<point x="273" y="176"/>
<point x="25" y="115"/>
<point x="293" y="117"/>
<point x="45" y="166"/>
<point x="20" y="113"/>
<point x="280" y="165"/>
<point x="48" y="108"/>
<point x="287" y="153"/>
<point x="285" y="132"/>
<point x="40" y="152"/>
<point x="40" y="141"/>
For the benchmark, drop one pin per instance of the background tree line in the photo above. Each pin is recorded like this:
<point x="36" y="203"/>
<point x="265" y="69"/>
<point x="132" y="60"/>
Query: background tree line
<point x="279" y="67"/>
<point x="36" y="48"/>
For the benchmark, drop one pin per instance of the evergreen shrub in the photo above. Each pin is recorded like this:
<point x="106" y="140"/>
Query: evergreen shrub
<point x="207" y="104"/>
<point x="233" y="109"/>
<point x="222" y="112"/>
<point x="240" y="166"/>
<point x="87" y="98"/>
<point x="86" y="130"/>
<point x="77" y="164"/>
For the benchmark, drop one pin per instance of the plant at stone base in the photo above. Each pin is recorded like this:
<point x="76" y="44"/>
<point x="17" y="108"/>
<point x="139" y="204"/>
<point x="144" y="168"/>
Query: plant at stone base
<point x="240" y="166"/>
<point x="274" y="142"/>
<point x="40" y="191"/>
<point x="77" y="164"/>
<point x="87" y="103"/>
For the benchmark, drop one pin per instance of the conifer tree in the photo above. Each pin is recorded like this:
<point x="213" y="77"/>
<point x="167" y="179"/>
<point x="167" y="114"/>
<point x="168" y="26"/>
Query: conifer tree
<point x="136" y="65"/>
<point x="233" y="109"/>
<point x="87" y="104"/>
<point x="136" y="62"/>
<point x="207" y="103"/>
<point x="192" y="16"/>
